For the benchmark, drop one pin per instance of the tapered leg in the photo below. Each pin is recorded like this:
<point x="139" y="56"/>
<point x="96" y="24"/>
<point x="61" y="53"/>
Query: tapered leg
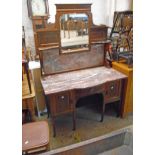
<point x="102" y="113"/>
<point x="29" y="116"/>
<point x="74" y="120"/>
<point x="30" y="105"/>
<point x="73" y="103"/>
<point x="103" y="109"/>
<point x="47" y="105"/>
<point x="53" y="123"/>
<point x="118" y="108"/>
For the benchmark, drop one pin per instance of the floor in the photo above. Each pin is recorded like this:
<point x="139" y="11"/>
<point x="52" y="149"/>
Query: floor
<point x="122" y="150"/>
<point x="88" y="123"/>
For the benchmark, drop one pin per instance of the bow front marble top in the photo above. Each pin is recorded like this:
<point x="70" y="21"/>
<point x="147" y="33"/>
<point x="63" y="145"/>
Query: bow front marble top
<point x="80" y="79"/>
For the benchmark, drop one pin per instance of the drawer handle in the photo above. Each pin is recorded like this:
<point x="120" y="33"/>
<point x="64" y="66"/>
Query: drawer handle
<point x="62" y="97"/>
<point x="112" y="87"/>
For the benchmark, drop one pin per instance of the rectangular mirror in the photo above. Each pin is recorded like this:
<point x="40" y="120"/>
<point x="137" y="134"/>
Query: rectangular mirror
<point x="74" y="32"/>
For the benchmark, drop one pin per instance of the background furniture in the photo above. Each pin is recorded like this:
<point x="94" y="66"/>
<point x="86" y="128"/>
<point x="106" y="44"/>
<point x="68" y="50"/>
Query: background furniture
<point x="128" y="100"/>
<point x="27" y="98"/>
<point x="34" y="67"/>
<point x="25" y="66"/>
<point x="35" y="137"/>
<point x="26" y="117"/>
<point x="38" y="16"/>
<point x="25" y="60"/>
<point x="121" y="37"/>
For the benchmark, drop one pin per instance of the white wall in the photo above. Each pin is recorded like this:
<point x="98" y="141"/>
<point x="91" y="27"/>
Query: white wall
<point x="102" y="12"/>
<point x="122" y="5"/>
<point x="96" y="8"/>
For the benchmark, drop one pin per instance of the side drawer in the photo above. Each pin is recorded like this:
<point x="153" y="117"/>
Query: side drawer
<point x="112" y="91"/>
<point x="61" y="103"/>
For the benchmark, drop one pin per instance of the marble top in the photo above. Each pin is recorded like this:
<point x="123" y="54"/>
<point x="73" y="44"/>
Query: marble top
<point x="80" y="79"/>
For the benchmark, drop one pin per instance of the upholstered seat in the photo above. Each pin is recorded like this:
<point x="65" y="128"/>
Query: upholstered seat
<point x="35" y="136"/>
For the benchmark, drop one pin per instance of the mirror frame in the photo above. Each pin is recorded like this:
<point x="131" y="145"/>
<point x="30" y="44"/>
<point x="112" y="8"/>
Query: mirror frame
<point x="62" y="9"/>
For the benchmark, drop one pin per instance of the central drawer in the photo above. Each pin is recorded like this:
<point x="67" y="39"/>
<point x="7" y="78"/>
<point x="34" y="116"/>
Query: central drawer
<point x="89" y="91"/>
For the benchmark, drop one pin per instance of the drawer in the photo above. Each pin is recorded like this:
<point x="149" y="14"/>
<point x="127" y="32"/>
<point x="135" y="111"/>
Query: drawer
<point x="112" y="90"/>
<point x="62" y="102"/>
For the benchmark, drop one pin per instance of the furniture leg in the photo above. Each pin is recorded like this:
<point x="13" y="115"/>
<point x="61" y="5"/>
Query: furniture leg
<point x="103" y="108"/>
<point x="28" y="77"/>
<point x="122" y="99"/>
<point x="74" y="120"/>
<point x="29" y="116"/>
<point x="120" y="102"/>
<point x="26" y="116"/>
<point x="53" y="123"/>
<point x="73" y="101"/>
<point x="119" y="109"/>
<point x="30" y="106"/>
<point x="47" y="105"/>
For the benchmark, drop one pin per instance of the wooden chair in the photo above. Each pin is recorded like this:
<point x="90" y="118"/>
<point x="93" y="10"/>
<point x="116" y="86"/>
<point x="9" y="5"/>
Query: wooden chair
<point x="35" y="137"/>
<point x="121" y="36"/>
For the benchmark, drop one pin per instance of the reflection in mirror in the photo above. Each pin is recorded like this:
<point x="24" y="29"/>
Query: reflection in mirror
<point x="74" y="32"/>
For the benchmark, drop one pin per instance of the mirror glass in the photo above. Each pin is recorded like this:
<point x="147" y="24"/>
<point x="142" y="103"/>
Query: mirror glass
<point x="74" y="32"/>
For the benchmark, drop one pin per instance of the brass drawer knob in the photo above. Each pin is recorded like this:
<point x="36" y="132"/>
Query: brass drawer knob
<point x="112" y="87"/>
<point x="62" y="97"/>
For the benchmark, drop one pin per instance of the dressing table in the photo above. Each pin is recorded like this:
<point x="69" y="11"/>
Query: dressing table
<point x="76" y="66"/>
<point x="63" y="90"/>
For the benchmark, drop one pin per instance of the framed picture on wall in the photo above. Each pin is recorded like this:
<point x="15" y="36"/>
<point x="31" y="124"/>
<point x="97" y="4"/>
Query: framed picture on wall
<point x="37" y="8"/>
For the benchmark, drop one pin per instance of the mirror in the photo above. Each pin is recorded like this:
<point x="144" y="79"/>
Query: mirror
<point x="74" y="32"/>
